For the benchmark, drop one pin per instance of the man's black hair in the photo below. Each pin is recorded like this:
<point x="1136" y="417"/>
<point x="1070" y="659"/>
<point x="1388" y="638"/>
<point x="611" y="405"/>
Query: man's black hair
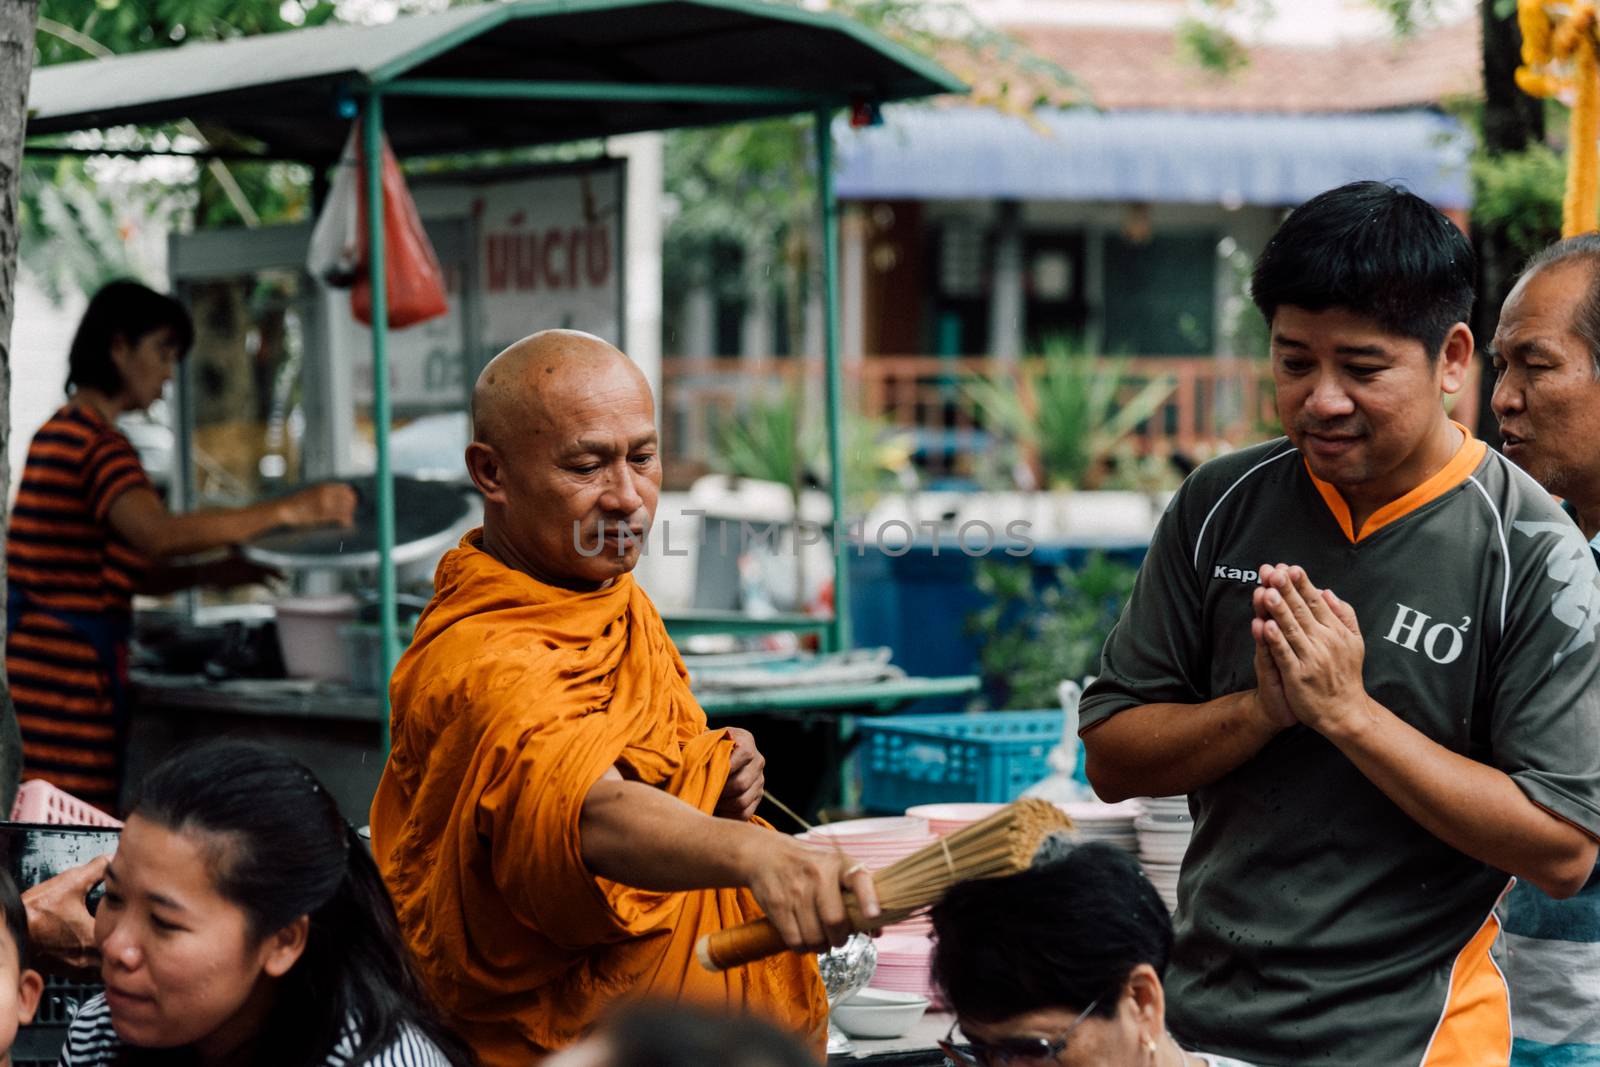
<point x="1584" y="249"/>
<point x="127" y="310"/>
<point x="1373" y="249"/>
<point x="1058" y="936"/>
<point x="16" y="918"/>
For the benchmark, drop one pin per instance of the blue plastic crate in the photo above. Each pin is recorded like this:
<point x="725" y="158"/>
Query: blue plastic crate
<point x="983" y="757"/>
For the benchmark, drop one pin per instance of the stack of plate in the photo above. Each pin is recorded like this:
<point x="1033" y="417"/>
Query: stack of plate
<point x="1164" y="832"/>
<point x="904" y="964"/>
<point x="1167" y="807"/>
<point x="1164" y="876"/>
<point x="877" y="843"/>
<point x="1110" y="823"/>
<point x="945" y="819"/>
<point x="874" y="842"/>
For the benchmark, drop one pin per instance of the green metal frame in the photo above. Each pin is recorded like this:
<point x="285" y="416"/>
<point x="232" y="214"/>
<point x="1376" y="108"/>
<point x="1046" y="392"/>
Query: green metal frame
<point x="686" y="624"/>
<point x="603" y="92"/>
<point x="916" y="76"/>
<point x="372" y="160"/>
<point x="918" y="64"/>
<point x="829" y="208"/>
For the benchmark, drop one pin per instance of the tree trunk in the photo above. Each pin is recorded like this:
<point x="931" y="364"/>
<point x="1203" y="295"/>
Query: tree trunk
<point x="1512" y="120"/>
<point x="16" y="66"/>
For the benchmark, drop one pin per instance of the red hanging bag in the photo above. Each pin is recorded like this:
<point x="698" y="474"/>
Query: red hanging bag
<point x="416" y="288"/>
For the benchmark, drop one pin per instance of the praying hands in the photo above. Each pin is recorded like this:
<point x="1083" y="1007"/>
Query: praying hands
<point x="1309" y="653"/>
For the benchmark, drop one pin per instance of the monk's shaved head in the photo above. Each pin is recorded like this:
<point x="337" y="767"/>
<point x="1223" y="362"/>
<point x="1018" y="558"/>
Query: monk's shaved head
<point x="565" y="452"/>
<point x="520" y="387"/>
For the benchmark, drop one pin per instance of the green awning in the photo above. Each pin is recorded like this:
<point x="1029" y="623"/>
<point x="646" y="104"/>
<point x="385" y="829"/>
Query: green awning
<point x="685" y="63"/>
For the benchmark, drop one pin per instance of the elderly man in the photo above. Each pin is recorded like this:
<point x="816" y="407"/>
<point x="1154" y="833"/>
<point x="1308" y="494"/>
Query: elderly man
<point x="556" y="822"/>
<point x="1367" y="770"/>
<point x="1546" y="356"/>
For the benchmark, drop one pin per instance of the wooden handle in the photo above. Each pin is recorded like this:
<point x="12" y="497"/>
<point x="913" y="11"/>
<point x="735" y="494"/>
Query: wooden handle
<point x="736" y="946"/>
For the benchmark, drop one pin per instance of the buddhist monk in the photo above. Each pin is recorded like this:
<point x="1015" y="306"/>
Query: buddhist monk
<point x="556" y="822"/>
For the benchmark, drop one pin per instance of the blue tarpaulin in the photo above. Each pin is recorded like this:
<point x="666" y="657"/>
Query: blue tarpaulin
<point x="953" y="153"/>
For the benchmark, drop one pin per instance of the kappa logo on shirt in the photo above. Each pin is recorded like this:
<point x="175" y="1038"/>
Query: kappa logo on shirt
<point x="1243" y="575"/>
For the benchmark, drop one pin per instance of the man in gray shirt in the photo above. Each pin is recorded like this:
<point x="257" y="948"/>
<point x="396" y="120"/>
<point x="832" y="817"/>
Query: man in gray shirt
<point x="1367" y="653"/>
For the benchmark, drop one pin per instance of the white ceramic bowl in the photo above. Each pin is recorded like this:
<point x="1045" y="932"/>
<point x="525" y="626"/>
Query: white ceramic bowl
<point x="879" y="1013"/>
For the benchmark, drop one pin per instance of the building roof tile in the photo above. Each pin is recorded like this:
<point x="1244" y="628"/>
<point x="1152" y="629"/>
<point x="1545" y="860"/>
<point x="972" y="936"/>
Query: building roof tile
<point x="1134" y="69"/>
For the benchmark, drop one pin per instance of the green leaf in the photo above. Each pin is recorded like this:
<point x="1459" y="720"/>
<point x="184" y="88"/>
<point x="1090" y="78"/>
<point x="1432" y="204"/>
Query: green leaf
<point x="1037" y="631"/>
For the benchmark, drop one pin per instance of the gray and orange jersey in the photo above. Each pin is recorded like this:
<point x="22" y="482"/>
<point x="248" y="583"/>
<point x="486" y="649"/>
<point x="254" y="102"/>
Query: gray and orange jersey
<point x="1317" y="923"/>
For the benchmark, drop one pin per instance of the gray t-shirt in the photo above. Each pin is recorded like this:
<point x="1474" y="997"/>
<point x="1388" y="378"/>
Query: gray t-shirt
<point x="1317" y="923"/>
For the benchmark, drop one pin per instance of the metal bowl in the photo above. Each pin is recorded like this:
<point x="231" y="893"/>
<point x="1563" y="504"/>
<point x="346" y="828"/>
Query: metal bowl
<point x="429" y="517"/>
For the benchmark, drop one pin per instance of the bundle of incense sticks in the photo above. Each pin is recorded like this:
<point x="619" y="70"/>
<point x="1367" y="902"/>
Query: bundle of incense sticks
<point x="1006" y="842"/>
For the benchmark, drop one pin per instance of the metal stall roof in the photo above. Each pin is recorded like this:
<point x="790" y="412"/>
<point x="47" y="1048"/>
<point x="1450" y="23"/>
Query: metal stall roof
<point x="686" y="62"/>
<point x="501" y="75"/>
<point x="1156" y="156"/>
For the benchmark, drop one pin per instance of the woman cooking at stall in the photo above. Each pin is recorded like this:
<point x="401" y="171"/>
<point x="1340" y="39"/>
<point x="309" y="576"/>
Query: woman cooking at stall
<point x="88" y="531"/>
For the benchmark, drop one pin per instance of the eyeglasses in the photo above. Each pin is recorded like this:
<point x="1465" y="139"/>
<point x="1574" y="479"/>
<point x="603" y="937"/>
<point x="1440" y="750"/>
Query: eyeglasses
<point x="1013" y="1051"/>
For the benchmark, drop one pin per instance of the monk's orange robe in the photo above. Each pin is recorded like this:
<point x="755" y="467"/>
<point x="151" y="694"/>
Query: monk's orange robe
<point x="514" y="698"/>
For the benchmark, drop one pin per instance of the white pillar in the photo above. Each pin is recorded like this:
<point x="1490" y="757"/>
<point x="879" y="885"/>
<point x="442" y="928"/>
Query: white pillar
<point x="1005" y="298"/>
<point x="699" y="322"/>
<point x="641" y="258"/>
<point x="41" y="335"/>
<point x="757" y="326"/>
<point x="853" y="227"/>
<point x="812" y="326"/>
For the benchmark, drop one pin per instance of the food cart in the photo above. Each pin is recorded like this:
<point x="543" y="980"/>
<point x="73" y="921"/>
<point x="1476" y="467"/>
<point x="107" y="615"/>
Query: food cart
<point x="467" y="80"/>
<point x="480" y="78"/>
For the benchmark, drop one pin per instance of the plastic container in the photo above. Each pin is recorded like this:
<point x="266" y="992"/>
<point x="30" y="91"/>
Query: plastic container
<point x="363" y="649"/>
<point x="40" y="802"/>
<point x="917" y="599"/>
<point x="983" y="757"/>
<point x="308" y="635"/>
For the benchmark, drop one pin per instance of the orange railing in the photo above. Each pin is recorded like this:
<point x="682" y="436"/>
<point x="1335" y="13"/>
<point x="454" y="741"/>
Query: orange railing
<point x="1216" y="401"/>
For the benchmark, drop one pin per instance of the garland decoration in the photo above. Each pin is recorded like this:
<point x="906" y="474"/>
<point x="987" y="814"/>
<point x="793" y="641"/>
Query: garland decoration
<point x="1559" y="59"/>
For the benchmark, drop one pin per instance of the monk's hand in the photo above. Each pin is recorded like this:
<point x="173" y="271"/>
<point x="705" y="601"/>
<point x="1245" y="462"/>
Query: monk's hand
<point x="60" y="928"/>
<point x="1315" y="640"/>
<point x="747" y="778"/>
<point x="802" y="890"/>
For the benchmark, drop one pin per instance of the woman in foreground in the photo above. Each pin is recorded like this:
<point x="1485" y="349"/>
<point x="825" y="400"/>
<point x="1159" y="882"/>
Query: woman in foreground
<point x="244" y="923"/>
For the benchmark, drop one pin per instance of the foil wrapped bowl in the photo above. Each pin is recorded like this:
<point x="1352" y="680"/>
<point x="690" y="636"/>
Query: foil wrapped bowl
<point x="846" y="971"/>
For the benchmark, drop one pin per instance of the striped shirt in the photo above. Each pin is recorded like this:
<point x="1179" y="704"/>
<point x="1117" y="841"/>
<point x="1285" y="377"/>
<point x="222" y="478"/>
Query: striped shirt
<point x="62" y="552"/>
<point x="92" y="1041"/>
<point x="72" y="579"/>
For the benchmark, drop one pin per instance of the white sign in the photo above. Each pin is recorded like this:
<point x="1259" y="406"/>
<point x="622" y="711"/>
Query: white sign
<point x="548" y="254"/>
<point x="425" y="360"/>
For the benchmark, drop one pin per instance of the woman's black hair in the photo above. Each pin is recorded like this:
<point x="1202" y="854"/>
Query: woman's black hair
<point x="1376" y="250"/>
<point x="1058" y="936"/>
<point x="127" y="310"/>
<point x="282" y="850"/>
